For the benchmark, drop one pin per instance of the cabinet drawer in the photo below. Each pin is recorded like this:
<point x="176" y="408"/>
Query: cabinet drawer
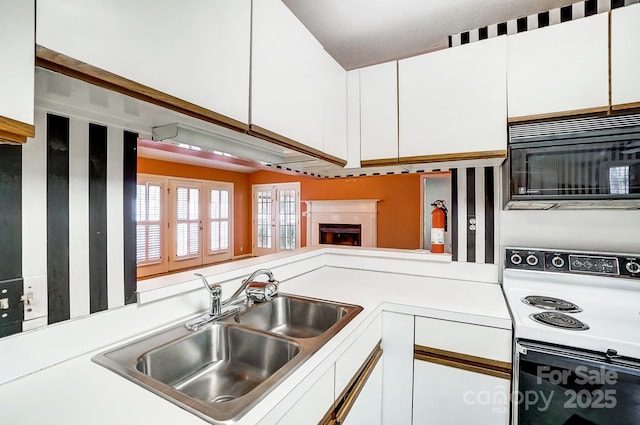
<point x="356" y="355"/>
<point x="464" y="338"/>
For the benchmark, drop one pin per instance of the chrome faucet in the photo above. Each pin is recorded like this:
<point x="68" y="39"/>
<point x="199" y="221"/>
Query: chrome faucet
<point x="216" y="306"/>
<point x="260" y="291"/>
<point x="215" y="294"/>
<point x="249" y="292"/>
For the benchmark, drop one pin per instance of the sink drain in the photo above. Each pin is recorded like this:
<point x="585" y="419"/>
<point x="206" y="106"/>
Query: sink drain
<point x="223" y="398"/>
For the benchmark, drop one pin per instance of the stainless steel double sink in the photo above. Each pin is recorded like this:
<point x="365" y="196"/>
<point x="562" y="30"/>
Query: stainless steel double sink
<point x="222" y="370"/>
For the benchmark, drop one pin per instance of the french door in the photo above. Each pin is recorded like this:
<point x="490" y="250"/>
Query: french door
<point x="185" y="236"/>
<point x="276" y="218"/>
<point x="200" y="225"/>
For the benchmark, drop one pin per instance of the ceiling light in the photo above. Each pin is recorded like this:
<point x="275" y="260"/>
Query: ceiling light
<point x="179" y="134"/>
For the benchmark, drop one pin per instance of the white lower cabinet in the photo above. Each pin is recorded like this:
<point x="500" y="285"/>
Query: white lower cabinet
<point x="367" y="409"/>
<point x="397" y="343"/>
<point x="461" y="373"/>
<point x="445" y="395"/>
<point x="350" y="363"/>
<point x="350" y="391"/>
<point x="314" y="405"/>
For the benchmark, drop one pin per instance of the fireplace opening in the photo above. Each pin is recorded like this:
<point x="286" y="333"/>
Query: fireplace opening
<point x="340" y="234"/>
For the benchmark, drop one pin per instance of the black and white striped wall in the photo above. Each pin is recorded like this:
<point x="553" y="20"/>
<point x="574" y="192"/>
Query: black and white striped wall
<point x="70" y="208"/>
<point x="540" y="20"/>
<point x="474" y="214"/>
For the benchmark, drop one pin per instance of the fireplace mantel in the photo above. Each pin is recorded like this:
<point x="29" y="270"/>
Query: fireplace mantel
<point x="349" y="211"/>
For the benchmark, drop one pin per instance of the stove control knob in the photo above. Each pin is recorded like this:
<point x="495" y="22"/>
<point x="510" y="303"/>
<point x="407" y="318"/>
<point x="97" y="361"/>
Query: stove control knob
<point x="557" y="262"/>
<point x="516" y="259"/>
<point x="587" y="264"/>
<point x="633" y="267"/>
<point x="532" y="260"/>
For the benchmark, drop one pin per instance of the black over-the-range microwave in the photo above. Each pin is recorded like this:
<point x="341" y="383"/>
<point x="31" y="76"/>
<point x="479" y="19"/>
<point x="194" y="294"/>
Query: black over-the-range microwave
<point x="581" y="163"/>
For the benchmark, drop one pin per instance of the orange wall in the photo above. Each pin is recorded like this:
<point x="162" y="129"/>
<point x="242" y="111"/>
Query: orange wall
<point x="398" y="209"/>
<point x="241" y="193"/>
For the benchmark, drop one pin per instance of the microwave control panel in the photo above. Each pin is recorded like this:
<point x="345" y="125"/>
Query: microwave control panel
<point x="556" y="261"/>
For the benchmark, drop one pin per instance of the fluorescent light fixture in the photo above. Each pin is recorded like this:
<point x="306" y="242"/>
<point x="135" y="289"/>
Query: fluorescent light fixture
<point x="194" y="138"/>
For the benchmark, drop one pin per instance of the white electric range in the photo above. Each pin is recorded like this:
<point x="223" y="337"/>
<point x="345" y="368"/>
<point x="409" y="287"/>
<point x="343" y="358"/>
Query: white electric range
<point x="577" y="336"/>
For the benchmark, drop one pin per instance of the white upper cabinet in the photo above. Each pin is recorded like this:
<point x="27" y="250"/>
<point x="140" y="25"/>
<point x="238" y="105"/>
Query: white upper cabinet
<point x="625" y="55"/>
<point x="197" y="51"/>
<point x="453" y="102"/>
<point x="17" y="71"/>
<point x="561" y="68"/>
<point x="297" y="89"/>
<point x="285" y="96"/>
<point x="379" y="112"/>
<point x="334" y="109"/>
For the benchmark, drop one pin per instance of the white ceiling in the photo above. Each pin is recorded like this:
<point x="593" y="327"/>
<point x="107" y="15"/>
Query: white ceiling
<point x="358" y="33"/>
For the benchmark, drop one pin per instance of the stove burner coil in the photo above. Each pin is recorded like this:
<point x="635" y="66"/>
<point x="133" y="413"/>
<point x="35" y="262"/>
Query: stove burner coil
<point x="559" y="320"/>
<point x="551" y="303"/>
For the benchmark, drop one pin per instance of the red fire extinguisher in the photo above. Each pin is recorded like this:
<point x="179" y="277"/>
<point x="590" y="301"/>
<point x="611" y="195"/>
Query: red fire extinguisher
<point x="438" y="226"/>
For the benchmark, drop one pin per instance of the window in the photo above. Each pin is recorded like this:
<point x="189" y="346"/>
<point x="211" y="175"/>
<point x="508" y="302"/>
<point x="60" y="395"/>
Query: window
<point x="190" y="220"/>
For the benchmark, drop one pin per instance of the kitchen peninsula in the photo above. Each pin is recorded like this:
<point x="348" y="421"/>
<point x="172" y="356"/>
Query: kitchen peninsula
<point x="63" y="385"/>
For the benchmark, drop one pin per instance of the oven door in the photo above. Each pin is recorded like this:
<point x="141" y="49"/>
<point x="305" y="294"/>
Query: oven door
<point x="563" y="386"/>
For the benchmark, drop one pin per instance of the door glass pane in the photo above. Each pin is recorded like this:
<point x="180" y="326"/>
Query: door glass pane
<point x="188" y="222"/>
<point x="224" y="204"/>
<point x="194" y="197"/>
<point x="215" y="204"/>
<point x="288" y="219"/>
<point x="141" y="242"/>
<point x="264" y="219"/>
<point x="194" y="240"/>
<point x="224" y="235"/>
<point x="219" y="220"/>
<point x="154" y="203"/>
<point x="148" y="207"/>
<point x="215" y="236"/>
<point x="182" y="237"/>
<point x="182" y="203"/>
<point x="141" y="202"/>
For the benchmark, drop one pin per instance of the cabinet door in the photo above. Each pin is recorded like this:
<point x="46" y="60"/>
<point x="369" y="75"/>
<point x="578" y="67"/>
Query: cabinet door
<point x="625" y="56"/>
<point x="379" y="113"/>
<point x="367" y="409"/>
<point x="351" y="361"/>
<point x="334" y="108"/>
<point x="17" y="70"/>
<point x="559" y="69"/>
<point x="454" y="101"/>
<point x="444" y="395"/>
<point x="397" y="343"/>
<point x="286" y="77"/>
<point x="197" y="51"/>
<point x="313" y="406"/>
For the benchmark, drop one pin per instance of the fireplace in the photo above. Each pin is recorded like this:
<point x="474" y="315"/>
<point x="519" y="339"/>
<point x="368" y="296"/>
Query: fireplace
<point x="339" y="221"/>
<point x="340" y="234"/>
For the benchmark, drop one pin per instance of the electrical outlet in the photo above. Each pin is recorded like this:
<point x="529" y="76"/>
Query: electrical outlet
<point x="472" y="223"/>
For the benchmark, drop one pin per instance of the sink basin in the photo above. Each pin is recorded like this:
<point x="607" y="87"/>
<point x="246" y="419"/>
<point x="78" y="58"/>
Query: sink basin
<point x="294" y="316"/>
<point x="222" y="370"/>
<point x="218" y="364"/>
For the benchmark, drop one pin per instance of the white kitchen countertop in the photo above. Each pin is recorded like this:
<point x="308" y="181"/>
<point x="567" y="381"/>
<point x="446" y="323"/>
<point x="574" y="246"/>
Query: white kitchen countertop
<point x="78" y="391"/>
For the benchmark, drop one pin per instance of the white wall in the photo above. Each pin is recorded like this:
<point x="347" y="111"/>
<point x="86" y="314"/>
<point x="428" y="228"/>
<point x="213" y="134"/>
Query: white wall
<point x="594" y="230"/>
